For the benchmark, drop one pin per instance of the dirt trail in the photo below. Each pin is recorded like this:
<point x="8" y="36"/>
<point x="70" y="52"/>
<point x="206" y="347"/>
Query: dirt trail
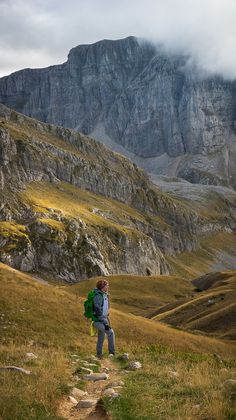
<point x="94" y="389"/>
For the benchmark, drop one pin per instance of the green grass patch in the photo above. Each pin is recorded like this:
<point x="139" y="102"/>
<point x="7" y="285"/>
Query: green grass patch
<point x="12" y="229"/>
<point x="153" y="392"/>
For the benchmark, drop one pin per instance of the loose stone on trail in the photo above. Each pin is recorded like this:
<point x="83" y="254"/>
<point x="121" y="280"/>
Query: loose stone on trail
<point x="87" y="364"/>
<point x="77" y="393"/>
<point x="86" y="370"/>
<point x="31" y="356"/>
<point x="96" y="377"/>
<point x="87" y="403"/>
<point x="73" y="400"/>
<point x="124" y="356"/>
<point x="230" y="386"/>
<point x="16" y="368"/>
<point x="115" y="384"/>
<point x="110" y="392"/>
<point x="134" y="365"/>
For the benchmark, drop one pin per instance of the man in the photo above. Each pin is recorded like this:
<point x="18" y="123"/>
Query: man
<point x="101" y="312"/>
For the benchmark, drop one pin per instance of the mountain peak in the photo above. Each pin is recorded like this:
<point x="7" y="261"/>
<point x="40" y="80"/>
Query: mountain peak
<point x="138" y="100"/>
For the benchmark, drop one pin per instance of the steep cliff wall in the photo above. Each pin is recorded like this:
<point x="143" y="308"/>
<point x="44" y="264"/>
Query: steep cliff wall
<point x="72" y="207"/>
<point x="152" y="106"/>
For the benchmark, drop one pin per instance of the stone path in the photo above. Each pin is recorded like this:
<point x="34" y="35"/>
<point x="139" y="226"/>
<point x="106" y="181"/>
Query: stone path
<point x="70" y="410"/>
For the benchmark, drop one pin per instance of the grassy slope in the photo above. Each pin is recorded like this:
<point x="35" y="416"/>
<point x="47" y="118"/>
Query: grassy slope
<point x="213" y="279"/>
<point x="112" y="214"/>
<point x="48" y="321"/>
<point x="75" y="202"/>
<point x="216" y="253"/>
<point x="212" y="311"/>
<point x="139" y="295"/>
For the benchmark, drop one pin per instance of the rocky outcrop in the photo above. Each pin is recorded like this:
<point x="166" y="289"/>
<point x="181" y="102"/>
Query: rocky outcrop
<point x="152" y="106"/>
<point x="125" y="224"/>
<point x="72" y="250"/>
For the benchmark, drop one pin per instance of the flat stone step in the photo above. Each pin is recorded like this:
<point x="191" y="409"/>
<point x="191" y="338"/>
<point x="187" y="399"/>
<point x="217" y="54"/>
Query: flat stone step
<point x="96" y="377"/>
<point x="87" y="403"/>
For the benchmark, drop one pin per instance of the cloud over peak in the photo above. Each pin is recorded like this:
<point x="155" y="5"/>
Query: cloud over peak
<point x="37" y="33"/>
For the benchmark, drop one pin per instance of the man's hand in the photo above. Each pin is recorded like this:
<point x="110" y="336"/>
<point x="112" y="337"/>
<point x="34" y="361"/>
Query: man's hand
<point x="107" y="327"/>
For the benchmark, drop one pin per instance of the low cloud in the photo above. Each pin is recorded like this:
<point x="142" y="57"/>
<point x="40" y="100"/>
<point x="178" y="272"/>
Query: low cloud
<point x="38" y="33"/>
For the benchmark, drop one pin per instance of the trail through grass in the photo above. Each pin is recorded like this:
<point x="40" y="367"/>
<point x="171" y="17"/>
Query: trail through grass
<point x="48" y="321"/>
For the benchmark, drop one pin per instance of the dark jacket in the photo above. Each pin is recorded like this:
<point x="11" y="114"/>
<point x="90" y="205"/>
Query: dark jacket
<point x="98" y="301"/>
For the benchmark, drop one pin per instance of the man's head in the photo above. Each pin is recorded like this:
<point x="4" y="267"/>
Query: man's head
<point x="102" y="285"/>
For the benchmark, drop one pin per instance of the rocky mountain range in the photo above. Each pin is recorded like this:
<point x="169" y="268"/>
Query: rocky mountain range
<point x="154" y="107"/>
<point x="73" y="209"/>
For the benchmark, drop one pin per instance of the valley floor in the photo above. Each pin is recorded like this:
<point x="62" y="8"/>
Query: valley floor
<point x="183" y="375"/>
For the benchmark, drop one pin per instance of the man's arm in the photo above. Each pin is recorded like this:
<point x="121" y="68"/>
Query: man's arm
<point x="98" y="310"/>
<point x="97" y="305"/>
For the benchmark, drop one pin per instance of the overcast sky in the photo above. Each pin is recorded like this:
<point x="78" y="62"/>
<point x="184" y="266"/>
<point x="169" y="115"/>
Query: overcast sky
<point x="39" y="33"/>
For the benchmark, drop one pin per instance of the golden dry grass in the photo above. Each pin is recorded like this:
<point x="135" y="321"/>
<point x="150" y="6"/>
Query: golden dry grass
<point x="12" y="229"/>
<point x="52" y="315"/>
<point x="93" y="209"/>
<point x="48" y="321"/>
<point x="33" y="396"/>
<point x="140" y="295"/>
<point x="26" y="131"/>
<point x="212" y="311"/>
<point x="43" y="320"/>
<point x="216" y="252"/>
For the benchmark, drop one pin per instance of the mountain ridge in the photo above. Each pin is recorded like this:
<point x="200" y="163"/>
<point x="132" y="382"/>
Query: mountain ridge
<point x="132" y="95"/>
<point x="54" y="181"/>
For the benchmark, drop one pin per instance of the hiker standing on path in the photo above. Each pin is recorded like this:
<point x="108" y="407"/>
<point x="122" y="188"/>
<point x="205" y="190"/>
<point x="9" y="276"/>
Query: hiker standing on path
<point x="101" y="312"/>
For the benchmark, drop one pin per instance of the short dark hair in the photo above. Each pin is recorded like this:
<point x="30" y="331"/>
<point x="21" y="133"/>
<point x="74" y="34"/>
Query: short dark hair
<point x="101" y="283"/>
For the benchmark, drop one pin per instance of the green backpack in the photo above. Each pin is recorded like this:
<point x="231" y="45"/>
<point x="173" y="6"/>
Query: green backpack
<point x="88" y="306"/>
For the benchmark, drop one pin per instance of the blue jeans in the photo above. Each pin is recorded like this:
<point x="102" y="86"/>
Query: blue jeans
<point x="101" y="335"/>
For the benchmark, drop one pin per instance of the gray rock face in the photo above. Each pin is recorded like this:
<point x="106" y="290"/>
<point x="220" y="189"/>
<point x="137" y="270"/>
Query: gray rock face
<point x="140" y="100"/>
<point x="53" y="241"/>
<point x="129" y="225"/>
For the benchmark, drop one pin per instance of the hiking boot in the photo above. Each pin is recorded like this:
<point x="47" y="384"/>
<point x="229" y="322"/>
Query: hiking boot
<point x="100" y="356"/>
<point x="111" y="354"/>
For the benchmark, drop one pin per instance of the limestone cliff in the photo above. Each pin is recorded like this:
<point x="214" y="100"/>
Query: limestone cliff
<point x="152" y="106"/>
<point x="71" y="207"/>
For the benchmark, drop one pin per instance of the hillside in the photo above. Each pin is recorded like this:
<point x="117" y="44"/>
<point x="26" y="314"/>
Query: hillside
<point x="73" y="209"/>
<point x="175" y="301"/>
<point x="150" y="105"/>
<point x="139" y="295"/>
<point x="216" y="252"/>
<point x="48" y="321"/>
<point x="212" y="311"/>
